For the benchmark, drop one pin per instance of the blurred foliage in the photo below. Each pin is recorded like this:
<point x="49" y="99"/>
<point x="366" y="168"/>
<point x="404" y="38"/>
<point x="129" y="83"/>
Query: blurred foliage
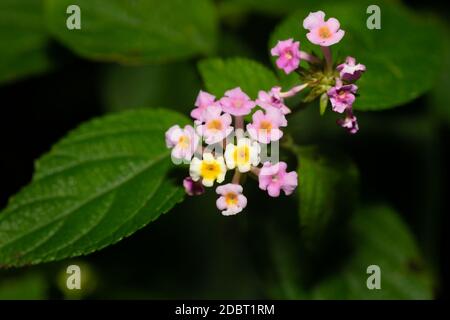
<point x="327" y="190"/>
<point x="30" y="286"/>
<point x="221" y="75"/>
<point x="379" y="238"/>
<point x="24" y="40"/>
<point x="149" y="86"/>
<point x="136" y="32"/>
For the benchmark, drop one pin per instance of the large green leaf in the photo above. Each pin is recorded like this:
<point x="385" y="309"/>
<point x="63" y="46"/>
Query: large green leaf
<point x="380" y="238"/>
<point x="138" y="31"/>
<point x="101" y="183"/>
<point x="221" y="75"/>
<point x="402" y="58"/>
<point x="24" y="39"/>
<point x="327" y="190"/>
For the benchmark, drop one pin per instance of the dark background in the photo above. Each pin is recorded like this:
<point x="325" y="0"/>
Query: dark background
<point x="412" y="174"/>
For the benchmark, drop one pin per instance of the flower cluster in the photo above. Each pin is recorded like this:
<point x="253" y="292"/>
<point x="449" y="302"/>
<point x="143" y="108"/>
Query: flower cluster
<point x="220" y="139"/>
<point x="335" y="82"/>
<point x="233" y="145"/>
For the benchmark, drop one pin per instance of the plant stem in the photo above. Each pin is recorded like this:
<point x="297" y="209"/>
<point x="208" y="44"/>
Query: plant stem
<point x="292" y="92"/>
<point x="239" y="126"/>
<point x="328" y="58"/>
<point x="309" y="57"/>
<point x="236" y="177"/>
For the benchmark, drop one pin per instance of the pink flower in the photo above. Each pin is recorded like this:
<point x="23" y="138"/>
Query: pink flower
<point x="182" y="141"/>
<point x="272" y="99"/>
<point x="274" y="178"/>
<point x="265" y="127"/>
<point x="193" y="188"/>
<point x="288" y="53"/>
<point x="350" y="71"/>
<point x="204" y="100"/>
<point x="236" y="102"/>
<point x="321" y="32"/>
<point x="216" y="125"/>
<point x="232" y="200"/>
<point x="342" y="96"/>
<point x="349" y="122"/>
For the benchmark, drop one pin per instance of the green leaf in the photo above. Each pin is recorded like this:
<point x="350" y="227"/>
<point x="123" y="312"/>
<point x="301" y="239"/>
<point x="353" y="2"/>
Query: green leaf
<point x="270" y="7"/>
<point x="221" y="75"/>
<point x="105" y="180"/>
<point x="380" y="238"/>
<point x="403" y="58"/>
<point x="125" y="87"/>
<point x="326" y="190"/>
<point x="323" y="103"/>
<point x="24" y="39"/>
<point x="139" y="31"/>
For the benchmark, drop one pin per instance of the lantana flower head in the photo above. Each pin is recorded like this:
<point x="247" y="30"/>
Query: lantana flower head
<point x="236" y="102"/>
<point x="321" y="32"/>
<point x="224" y="139"/>
<point x="288" y="53"/>
<point x="231" y="200"/>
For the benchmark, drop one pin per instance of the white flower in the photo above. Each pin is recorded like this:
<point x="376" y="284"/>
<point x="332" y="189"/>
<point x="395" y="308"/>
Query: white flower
<point x="243" y="155"/>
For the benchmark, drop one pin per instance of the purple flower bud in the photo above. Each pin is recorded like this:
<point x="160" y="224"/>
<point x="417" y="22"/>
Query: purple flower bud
<point x="349" y="122"/>
<point x="350" y="71"/>
<point x="193" y="188"/>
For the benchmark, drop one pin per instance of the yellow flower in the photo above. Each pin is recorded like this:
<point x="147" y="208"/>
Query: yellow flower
<point x="209" y="169"/>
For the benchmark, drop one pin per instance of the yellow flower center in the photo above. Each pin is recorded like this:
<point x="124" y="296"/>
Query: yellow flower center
<point x="238" y="103"/>
<point x="288" y="55"/>
<point x="241" y="155"/>
<point x="210" y="170"/>
<point x="231" y="198"/>
<point x="265" y="125"/>
<point x="215" y="124"/>
<point x="324" y="32"/>
<point x="183" y="141"/>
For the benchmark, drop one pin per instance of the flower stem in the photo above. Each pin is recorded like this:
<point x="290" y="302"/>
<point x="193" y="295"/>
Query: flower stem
<point x="255" y="171"/>
<point x="239" y="122"/>
<point x="239" y="126"/>
<point x="328" y="58"/>
<point x="309" y="57"/>
<point x="293" y="91"/>
<point x="236" y="177"/>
